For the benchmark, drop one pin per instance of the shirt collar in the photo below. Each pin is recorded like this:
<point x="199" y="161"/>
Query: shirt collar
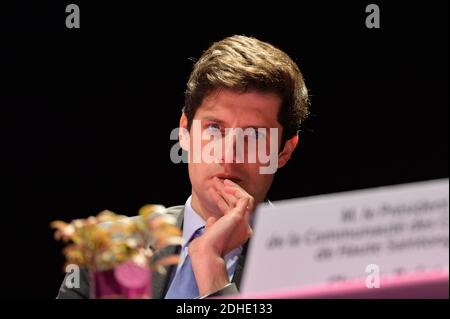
<point x="192" y="221"/>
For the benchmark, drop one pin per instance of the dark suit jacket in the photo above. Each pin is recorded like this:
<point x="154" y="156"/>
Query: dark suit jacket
<point x="160" y="282"/>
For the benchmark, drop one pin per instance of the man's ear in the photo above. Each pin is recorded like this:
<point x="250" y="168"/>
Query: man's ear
<point x="183" y="133"/>
<point x="286" y="153"/>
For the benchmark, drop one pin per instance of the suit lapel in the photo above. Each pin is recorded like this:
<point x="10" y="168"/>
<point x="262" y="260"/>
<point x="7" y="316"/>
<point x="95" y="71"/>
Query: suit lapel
<point x="237" y="277"/>
<point x="160" y="281"/>
<point x="238" y="272"/>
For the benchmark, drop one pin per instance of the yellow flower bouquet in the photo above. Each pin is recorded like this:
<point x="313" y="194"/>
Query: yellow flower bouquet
<point x="118" y="250"/>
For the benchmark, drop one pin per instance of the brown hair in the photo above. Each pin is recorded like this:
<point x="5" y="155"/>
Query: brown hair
<point x="244" y="64"/>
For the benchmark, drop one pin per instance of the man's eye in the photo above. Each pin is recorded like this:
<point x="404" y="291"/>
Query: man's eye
<point x="256" y="134"/>
<point x="213" y="127"/>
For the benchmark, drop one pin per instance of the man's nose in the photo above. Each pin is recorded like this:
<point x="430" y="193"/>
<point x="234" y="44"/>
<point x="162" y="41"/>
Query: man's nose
<point x="229" y="148"/>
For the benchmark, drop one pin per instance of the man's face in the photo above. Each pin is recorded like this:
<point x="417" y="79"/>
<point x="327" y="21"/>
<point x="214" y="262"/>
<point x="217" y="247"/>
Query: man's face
<point x="224" y="109"/>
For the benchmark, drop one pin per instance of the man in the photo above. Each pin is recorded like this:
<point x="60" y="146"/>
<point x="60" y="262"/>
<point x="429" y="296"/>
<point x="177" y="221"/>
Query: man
<point x="238" y="83"/>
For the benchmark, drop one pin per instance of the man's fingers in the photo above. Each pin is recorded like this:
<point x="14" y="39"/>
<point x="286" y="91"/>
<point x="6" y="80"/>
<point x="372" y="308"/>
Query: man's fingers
<point x="229" y="198"/>
<point x="220" y="202"/>
<point x="238" y="192"/>
<point x="241" y="206"/>
<point x="247" y="215"/>
<point x="229" y="182"/>
<point x="232" y="190"/>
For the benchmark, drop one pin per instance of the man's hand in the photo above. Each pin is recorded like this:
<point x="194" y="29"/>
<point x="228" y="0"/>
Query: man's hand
<point x="221" y="236"/>
<point x="226" y="195"/>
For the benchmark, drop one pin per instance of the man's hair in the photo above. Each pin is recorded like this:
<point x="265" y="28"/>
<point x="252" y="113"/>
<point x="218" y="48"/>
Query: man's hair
<point x="246" y="64"/>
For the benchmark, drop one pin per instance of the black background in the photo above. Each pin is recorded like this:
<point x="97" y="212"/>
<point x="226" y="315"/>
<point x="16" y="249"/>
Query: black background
<point x="88" y="111"/>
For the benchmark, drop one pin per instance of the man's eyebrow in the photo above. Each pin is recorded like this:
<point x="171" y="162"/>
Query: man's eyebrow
<point x="253" y="126"/>
<point x="256" y="127"/>
<point x="211" y="118"/>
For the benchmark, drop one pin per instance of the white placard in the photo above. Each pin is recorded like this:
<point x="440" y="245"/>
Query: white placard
<point x="321" y="239"/>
